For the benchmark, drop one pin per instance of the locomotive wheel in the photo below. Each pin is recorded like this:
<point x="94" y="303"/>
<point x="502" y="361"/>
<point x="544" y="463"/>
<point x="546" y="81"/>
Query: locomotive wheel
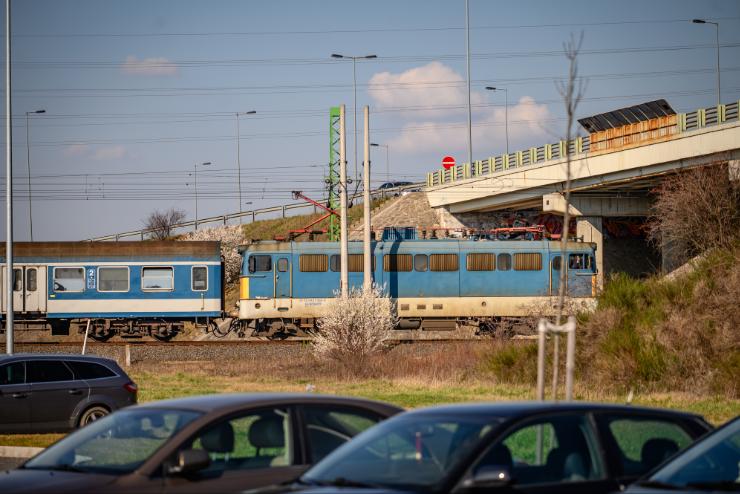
<point x="102" y="337"/>
<point x="162" y="337"/>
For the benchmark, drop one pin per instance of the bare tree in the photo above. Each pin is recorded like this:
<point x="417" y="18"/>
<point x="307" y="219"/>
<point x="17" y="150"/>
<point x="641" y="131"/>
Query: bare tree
<point x="571" y="91"/>
<point x="161" y="222"/>
<point x="695" y="211"/>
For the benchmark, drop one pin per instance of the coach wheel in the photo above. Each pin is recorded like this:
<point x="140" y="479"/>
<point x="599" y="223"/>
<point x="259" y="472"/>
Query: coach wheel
<point x="162" y="336"/>
<point x="92" y="414"/>
<point x="102" y="335"/>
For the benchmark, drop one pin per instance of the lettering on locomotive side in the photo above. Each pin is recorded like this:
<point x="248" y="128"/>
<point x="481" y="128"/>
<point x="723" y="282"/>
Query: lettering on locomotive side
<point x="313" y="302"/>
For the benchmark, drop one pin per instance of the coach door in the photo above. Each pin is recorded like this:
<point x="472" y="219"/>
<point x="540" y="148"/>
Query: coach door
<point x="29" y="288"/>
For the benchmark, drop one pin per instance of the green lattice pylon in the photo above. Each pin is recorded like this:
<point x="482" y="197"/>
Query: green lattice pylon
<point x="332" y="181"/>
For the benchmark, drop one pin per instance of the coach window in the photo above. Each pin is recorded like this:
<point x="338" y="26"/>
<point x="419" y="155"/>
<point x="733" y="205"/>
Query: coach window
<point x="157" y="278"/>
<point x="443" y="262"/>
<point x="69" y="279"/>
<point x="31" y="279"/>
<point x="504" y="262"/>
<point x="397" y="262"/>
<point x="17" y="280"/>
<point x="313" y="263"/>
<point x="528" y="261"/>
<point x="260" y="263"/>
<point x="421" y="262"/>
<point x="481" y="262"/>
<point x="113" y="279"/>
<point x="199" y="277"/>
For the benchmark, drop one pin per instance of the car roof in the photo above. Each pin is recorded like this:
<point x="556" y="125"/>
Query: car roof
<point x="54" y="356"/>
<point x="516" y="409"/>
<point x="225" y="401"/>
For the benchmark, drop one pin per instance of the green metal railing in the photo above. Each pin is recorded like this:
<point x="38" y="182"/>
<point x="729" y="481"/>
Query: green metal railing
<point x="685" y="122"/>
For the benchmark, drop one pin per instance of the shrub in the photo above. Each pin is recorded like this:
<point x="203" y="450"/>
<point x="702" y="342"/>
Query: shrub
<point x="230" y="238"/>
<point x="355" y="328"/>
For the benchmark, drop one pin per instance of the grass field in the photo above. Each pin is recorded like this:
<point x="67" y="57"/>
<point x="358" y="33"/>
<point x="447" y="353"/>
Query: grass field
<point x="406" y="378"/>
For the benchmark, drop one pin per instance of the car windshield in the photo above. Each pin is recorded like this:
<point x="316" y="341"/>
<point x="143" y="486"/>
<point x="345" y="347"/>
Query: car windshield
<point x="116" y="444"/>
<point x="710" y="464"/>
<point x="415" y="452"/>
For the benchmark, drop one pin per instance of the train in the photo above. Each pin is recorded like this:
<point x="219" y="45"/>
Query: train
<point x="107" y="288"/>
<point x="436" y="284"/>
<point x="154" y="288"/>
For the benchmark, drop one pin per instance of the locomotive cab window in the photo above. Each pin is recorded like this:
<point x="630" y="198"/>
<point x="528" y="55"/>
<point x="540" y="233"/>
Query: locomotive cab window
<point x="199" y="278"/>
<point x="69" y="279"/>
<point x="157" y="278"/>
<point x="260" y="263"/>
<point x="282" y="265"/>
<point x="579" y="261"/>
<point x="113" y="279"/>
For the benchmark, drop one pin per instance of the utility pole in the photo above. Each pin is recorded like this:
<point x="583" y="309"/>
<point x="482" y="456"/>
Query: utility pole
<point x="238" y="157"/>
<point x="470" y="111"/>
<point x="28" y="165"/>
<point x="367" y="259"/>
<point x="343" y="242"/>
<point x="8" y="191"/>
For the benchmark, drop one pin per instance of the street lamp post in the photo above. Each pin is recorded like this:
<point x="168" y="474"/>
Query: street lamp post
<point x="387" y="159"/>
<point x="506" y="111"/>
<point x="28" y="165"/>
<point x="195" y="178"/>
<point x="716" y="25"/>
<point x="238" y="156"/>
<point x="354" y="87"/>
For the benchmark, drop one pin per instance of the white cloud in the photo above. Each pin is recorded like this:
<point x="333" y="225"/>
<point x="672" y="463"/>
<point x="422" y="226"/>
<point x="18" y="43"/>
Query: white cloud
<point x="154" y="66"/>
<point x="443" y="130"/>
<point x="434" y="84"/>
<point x="109" y="153"/>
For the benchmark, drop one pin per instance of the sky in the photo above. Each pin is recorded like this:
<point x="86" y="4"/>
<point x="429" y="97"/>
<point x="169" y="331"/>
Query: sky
<point x="138" y="94"/>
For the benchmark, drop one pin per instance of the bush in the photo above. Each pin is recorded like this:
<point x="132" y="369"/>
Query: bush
<point x="355" y="328"/>
<point x="230" y="238"/>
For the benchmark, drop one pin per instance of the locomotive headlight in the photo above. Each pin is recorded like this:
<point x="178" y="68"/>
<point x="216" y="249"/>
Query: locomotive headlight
<point x="257" y="305"/>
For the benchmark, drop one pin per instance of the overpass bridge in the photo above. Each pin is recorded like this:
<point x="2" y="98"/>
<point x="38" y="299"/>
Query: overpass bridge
<point x="612" y="170"/>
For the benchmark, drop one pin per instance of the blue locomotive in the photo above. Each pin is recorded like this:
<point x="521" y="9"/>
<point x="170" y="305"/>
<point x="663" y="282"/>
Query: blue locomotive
<point x="435" y="284"/>
<point x="106" y="288"/>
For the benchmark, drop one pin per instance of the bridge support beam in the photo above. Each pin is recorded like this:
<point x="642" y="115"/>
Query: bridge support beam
<point x="596" y="206"/>
<point x="590" y="228"/>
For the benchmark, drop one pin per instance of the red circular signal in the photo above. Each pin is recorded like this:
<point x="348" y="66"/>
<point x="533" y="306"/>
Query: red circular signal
<point x="448" y="162"/>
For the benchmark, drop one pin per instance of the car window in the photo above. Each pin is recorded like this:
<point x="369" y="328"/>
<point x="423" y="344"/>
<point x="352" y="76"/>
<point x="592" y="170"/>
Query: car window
<point x="327" y="428"/>
<point x="259" y="439"/>
<point x="644" y="442"/>
<point x="118" y="443"/>
<point x="560" y="449"/>
<point x="89" y="370"/>
<point x="40" y="371"/>
<point x="13" y="373"/>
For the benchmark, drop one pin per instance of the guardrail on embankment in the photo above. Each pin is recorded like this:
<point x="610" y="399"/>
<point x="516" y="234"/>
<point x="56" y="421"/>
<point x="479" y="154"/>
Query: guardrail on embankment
<point x="277" y="211"/>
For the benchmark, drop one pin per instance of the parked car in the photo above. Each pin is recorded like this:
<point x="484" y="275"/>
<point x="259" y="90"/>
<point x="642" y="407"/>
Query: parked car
<point x="215" y="443"/>
<point x="516" y="447"/>
<point x="712" y="464"/>
<point x="57" y="393"/>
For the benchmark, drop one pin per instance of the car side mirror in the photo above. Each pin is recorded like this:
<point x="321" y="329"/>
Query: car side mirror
<point x="190" y="461"/>
<point x="489" y="476"/>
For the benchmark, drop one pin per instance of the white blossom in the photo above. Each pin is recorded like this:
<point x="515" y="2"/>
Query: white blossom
<point x="230" y="237"/>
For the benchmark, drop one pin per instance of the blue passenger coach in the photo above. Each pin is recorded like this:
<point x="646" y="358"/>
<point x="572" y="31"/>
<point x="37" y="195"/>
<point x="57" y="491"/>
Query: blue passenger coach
<point x="435" y="283"/>
<point x="129" y="288"/>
